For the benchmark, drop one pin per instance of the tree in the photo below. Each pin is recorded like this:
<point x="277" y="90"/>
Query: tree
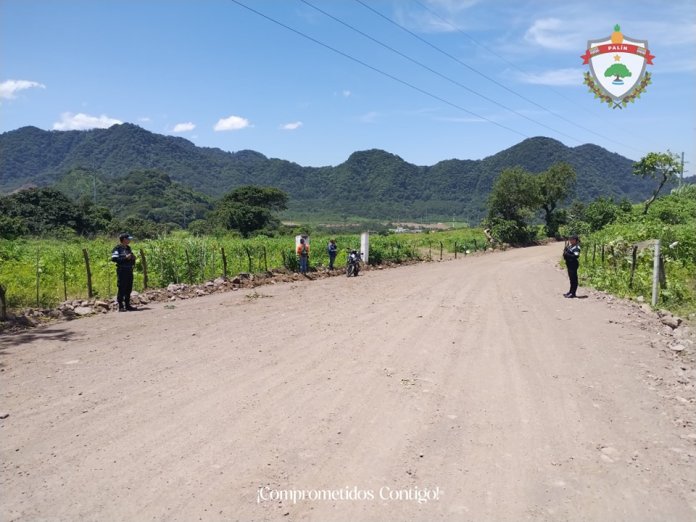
<point x="512" y="201"/>
<point x="249" y="208"/>
<point x="619" y="70"/>
<point x="554" y="186"/>
<point x="660" y="166"/>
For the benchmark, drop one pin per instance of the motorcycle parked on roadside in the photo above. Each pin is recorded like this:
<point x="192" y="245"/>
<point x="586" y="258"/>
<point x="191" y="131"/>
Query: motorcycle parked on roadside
<point x="353" y="265"/>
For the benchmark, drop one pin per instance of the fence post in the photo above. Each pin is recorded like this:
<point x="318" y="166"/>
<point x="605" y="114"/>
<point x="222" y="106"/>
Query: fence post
<point x="594" y="251"/>
<point x="656" y="270"/>
<point x="633" y="265"/>
<point x="65" y="277"/>
<point x="224" y="263"/>
<point x="455" y="250"/>
<point x="602" y="256"/>
<point x="37" y="277"/>
<point x="188" y="266"/>
<point x="248" y="253"/>
<point x="440" y="250"/>
<point x="3" y="304"/>
<point x="430" y="250"/>
<point x="475" y="245"/>
<point x="90" y="292"/>
<point x="663" y="275"/>
<point x="265" y="260"/>
<point x="143" y="259"/>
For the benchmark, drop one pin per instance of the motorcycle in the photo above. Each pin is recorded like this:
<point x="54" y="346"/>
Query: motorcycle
<point x="353" y="266"/>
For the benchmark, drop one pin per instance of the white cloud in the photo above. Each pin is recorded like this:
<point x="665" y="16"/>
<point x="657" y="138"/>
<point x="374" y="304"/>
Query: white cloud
<point x="81" y="121"/>
<point x="292" y="126"/>
<point x="9" y="88"/>
<point x="346" y="93"/>
<point x="184" y="127"/>
<point x="145" y="119"/>
<point x="567" y="76"/>
<point x="369" y="117"/>
<point x="552" y="33"/>
<point x="231" y="123"/>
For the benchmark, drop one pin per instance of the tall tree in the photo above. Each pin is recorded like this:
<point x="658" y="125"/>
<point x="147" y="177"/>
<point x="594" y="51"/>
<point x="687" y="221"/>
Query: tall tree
<point x="511" y="203"/>
<point x="554" y="186"/>
<point x="249" y="208"/>
<point x="660" y="166"/>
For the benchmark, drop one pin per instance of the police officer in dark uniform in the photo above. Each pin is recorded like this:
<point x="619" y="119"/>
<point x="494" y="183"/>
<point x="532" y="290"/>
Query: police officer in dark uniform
<point x="571" y="255"/>
<point x="124" y="258"/>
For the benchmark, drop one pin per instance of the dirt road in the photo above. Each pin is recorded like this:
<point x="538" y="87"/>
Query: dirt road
<point x="470" y="384"/>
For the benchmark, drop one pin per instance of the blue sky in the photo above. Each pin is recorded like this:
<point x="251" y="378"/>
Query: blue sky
<point x="468" y="78"/>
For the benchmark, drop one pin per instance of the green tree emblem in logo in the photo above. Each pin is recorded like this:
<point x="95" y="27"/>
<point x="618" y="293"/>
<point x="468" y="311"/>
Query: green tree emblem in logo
<point x="620" y="71"/>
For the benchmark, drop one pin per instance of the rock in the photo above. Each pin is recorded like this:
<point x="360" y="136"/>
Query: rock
<point x="677" y="347"/>
<point x="236" y="281"/>
<point x="640" y="299"/>
<point x="144" y="300"/>
<point x="135" y="294"/>
<point x="209" y="284"/>
<point x="102" y="304"/>
<point x="84" y="310"/>
<point x="219" y="281"/>
<point x="671" y="321"/>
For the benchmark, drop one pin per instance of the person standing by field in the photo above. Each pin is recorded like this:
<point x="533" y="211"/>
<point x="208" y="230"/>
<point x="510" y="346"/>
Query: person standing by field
<point x="124" y="258"/>
<point x="303" y="254"/>
<point x="332" y="249"/>
<point x="571" y="256"/>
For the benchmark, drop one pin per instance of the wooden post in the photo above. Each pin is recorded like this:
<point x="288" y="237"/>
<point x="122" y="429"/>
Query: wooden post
<point x="430" y="250"/>
<point x="440" y="250"/>
<point x="594" y="252"/>
<point x="634" y="255"/>
<point x="613" y="257"/>
<point x="265" y="260"/>
<point x="602" y="256"/>
<point x="455" y="250"/>
<point x="656" y="270"/>
<point x="65" y="277"/>
<point x="224" y="263"/>
<point x="475" y="245"/>
<point x="248" y="253"/>
<point x="3" y="304"/>
<point x="38" y="275"/>
<point x="90" y="292"/>
<point x="143" y="260"/>
<point x="663" y="275"/>
<point x="188" y="267"/>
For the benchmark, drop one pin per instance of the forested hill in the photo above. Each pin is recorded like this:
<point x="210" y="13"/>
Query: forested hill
<point x="371" y="183"/>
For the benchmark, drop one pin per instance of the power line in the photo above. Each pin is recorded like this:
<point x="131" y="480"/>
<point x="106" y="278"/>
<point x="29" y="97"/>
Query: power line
<point x="426" y="67"/>
<point x="377" y="70"/>
<point x="476" y="71"/>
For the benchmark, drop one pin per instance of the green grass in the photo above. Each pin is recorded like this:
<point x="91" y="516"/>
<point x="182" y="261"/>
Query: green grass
<point x="42" y="272"/>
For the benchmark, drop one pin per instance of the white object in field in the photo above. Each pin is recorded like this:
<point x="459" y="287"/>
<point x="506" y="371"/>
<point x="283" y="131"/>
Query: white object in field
<point x="365" y="246"/>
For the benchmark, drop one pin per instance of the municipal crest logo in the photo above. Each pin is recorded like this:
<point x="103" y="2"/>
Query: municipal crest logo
<point x="617" y="72"/>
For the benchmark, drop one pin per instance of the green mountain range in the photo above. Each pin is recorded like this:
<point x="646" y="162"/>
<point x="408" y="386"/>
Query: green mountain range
<point x="167" y="178"/>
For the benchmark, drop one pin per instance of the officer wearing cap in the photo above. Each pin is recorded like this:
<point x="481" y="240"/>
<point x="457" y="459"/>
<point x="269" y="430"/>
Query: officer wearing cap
<point x="124" y="258"/>
<point x="571" y="255"/>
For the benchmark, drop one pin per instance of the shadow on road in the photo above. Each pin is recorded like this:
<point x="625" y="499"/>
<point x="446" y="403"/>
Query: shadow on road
<point x="54" y="333"/>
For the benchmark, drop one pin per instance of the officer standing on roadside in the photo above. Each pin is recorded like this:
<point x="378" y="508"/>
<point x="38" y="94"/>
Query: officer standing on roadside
<point x="571" y="255"/>
<point x="124" y="258"/>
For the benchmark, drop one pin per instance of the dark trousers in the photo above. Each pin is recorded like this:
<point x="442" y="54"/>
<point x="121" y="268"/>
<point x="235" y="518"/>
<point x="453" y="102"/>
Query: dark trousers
<point x="124" y="277"/>
<point x="332" y="258"/>
<point x="573" y="276"/>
